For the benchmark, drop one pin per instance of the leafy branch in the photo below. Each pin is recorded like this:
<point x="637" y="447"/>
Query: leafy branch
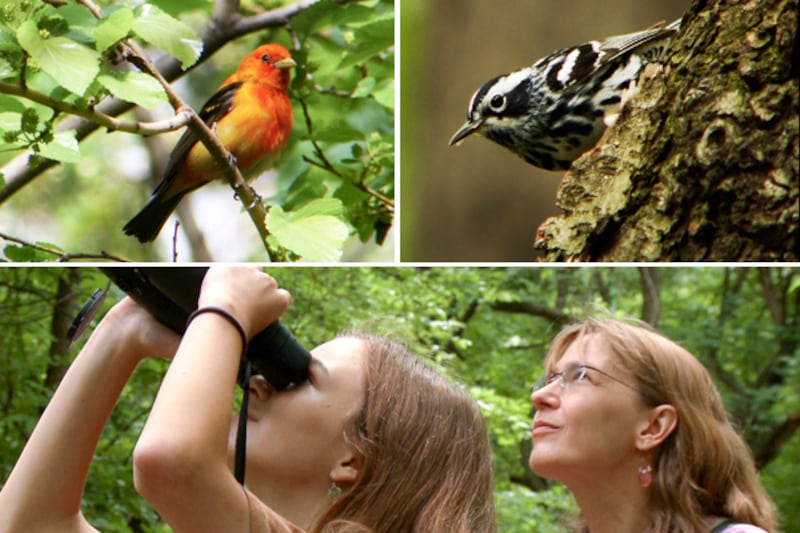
<point x="61" y="255"/>
<point x="225" y="24"/>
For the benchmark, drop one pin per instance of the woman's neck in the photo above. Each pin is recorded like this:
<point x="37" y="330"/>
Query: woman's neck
<point x="612" y="503"/>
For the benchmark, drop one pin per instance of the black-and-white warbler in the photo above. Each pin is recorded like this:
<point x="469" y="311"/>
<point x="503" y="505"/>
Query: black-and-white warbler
<point x="552" y="112"/>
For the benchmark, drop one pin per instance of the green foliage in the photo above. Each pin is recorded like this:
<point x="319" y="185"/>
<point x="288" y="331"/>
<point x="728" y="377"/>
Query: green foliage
<point x="342" y="147"/>
<point x="452" y="318"/>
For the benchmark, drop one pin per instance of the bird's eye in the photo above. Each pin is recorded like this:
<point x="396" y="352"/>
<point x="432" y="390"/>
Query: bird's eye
<point x="498" y="102"/>
<point x="265" y="58"/>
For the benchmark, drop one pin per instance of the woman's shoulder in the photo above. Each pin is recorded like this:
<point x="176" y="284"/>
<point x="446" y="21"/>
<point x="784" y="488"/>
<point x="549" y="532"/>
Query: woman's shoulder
<point x="736" y="527"/>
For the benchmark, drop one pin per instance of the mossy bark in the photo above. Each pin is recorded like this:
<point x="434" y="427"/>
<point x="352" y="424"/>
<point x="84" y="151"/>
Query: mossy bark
<point x="702" y="164"/>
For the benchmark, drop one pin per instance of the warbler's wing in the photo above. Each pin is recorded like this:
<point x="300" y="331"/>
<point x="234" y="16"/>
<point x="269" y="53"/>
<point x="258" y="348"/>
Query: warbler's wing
<point x="574" y="65"/>
<point x="219" y="105"/>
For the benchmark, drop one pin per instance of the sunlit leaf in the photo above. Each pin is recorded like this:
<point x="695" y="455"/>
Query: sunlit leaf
<point x="168" y="33"/>
<point x="64" y="147"/>
<point x="314" y="232"/>
<point x="113" y="28"/>
<point x="71" y="64"/>
<point x="133" y="86"/>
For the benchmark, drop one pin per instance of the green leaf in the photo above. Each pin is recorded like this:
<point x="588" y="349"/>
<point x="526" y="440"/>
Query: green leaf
<point x="328" y="13"/>
<point x="71" y="64"/>
<point x="64" y="147"/>
<point x="137" y="87"/>
<point x="168" y="33"/>
<point x="364" y="87"/>
<point x="113" y="28"/>
<point x="314" y="232"/>
<point x="338" y="133"/>
<point x="369" y="40"/>
<point x="25" y="254"/>
<point x="9" y="120"/>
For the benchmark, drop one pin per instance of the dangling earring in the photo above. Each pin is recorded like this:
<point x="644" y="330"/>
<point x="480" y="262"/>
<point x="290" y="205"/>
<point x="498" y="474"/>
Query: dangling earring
<point x="645" y="476"/>
<point x="334" y="491"/>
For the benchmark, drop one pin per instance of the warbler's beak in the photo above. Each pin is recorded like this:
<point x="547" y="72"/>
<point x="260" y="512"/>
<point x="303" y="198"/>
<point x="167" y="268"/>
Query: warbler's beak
<point x="467" y="129"/>
<point x="284" y="64"/>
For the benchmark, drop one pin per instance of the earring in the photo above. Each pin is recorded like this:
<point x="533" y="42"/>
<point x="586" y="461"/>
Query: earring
<point x="645" y="476"/>
<point x="334" y="491"/>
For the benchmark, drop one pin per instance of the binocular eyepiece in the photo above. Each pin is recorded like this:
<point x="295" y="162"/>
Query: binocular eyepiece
<point x="170" y="294"/>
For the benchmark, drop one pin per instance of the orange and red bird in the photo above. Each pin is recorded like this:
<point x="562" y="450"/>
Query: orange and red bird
<point x="252" y="115"/>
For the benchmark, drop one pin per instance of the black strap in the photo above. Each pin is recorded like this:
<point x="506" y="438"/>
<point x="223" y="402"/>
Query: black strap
<point x="722" y="525"/>
<point x="241" y="432"/>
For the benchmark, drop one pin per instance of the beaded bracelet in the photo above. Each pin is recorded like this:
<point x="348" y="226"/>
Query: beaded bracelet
<point x="227" y="315"/>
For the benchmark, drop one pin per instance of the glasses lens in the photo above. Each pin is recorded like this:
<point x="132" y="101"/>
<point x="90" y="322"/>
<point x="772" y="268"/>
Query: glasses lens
<point x="545" y="380"/>
<point x="574" y="372"/>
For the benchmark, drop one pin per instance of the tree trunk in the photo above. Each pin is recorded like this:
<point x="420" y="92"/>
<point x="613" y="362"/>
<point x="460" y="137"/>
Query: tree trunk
<point x="702" y="165"/>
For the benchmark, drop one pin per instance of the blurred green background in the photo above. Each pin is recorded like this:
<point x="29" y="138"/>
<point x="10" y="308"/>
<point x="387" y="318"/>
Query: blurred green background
<point x="478" y="201"/>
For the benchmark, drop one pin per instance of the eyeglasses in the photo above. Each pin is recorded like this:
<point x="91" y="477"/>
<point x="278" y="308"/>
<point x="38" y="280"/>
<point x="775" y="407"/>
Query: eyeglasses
<point x="573" y="372"/>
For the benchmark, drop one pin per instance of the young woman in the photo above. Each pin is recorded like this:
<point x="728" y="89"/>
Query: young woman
<point x="374" y="441"/>
<point x="633" y="425"/>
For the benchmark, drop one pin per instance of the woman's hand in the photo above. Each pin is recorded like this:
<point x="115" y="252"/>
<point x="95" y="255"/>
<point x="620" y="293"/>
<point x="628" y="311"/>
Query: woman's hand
<point x="252" y="296"/>
<point x="138" y="332"/>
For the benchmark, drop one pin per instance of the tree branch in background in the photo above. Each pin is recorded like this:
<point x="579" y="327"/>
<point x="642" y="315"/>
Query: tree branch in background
<point x="559" y="318"/>
<point x="65" y="306"/>
<point x="62" y="256"/>
<point x="651" y="295"/>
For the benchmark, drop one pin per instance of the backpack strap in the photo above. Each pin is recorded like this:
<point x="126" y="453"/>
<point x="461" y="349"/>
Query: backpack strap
<point x="722" y="525"/>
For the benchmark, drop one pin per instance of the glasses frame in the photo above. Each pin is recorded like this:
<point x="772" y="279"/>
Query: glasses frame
<point x="549" y="377"/>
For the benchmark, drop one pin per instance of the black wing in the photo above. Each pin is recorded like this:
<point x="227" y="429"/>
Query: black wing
<point x="217" y="107"/>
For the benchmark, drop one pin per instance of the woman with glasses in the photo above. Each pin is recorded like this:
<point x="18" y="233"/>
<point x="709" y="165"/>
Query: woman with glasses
<point x="633" y="425"/>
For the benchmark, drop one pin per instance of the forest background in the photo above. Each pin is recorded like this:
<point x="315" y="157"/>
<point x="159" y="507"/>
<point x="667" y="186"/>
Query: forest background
<point x="486" y="328"/>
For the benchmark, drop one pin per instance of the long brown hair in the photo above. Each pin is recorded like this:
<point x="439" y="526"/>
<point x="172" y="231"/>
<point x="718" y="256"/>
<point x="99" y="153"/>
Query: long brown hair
<point x="704" y="468"/>
<point x="425" y="450"/>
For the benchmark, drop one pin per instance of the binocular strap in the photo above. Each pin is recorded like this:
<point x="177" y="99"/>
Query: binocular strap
<point x="241" y="431"/>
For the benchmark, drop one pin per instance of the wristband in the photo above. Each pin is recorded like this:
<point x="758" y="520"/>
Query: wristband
<point x="227" y="315"/>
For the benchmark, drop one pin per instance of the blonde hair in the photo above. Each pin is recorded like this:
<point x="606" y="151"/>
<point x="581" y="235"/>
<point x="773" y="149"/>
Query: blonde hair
<point x="426" y="452"/>
<point x="704" y="468"/>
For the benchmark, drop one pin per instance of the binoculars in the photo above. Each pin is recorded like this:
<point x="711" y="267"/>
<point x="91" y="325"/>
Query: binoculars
<point x="170" y="294"/>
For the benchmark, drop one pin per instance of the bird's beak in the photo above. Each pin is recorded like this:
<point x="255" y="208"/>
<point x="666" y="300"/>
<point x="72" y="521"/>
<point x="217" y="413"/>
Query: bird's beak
<point x="284" y="64"/>
<point x="468" y="128"/>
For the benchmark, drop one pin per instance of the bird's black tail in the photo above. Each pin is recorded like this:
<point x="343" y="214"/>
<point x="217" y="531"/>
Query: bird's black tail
<point x="148" y="222"/>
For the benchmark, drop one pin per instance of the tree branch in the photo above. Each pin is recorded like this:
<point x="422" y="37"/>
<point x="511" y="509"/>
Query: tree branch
<point x="533" y="309"/>
<point x="63" y="256"/>
<point x="176" y="122"/>
<point x="651" y="295"/>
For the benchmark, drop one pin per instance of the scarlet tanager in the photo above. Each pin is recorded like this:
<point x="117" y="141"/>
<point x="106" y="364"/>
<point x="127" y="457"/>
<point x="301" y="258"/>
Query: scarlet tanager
<point x="252" y="115"/>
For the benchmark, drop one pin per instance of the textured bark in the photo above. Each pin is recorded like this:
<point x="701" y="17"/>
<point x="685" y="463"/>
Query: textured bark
<point x="702" y="165"/>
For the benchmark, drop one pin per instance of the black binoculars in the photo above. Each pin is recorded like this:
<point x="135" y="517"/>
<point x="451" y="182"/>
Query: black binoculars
<point x="170" y="294"/>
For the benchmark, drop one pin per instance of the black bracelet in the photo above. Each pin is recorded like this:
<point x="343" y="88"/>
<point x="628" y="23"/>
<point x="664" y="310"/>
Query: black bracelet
<point x="221" y="311"/>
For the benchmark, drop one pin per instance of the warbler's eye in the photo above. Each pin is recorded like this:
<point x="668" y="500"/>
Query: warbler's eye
<point x="265" y="58"/>
<point x="498" y="102"/>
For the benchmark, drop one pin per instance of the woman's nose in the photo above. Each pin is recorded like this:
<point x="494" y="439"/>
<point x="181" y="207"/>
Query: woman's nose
<point x="546" y="396"/>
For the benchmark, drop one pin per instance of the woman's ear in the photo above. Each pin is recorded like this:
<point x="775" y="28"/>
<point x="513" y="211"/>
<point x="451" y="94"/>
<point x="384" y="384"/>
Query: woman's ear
<point x="657" y="424"/>
<point x="346" y="470"/>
